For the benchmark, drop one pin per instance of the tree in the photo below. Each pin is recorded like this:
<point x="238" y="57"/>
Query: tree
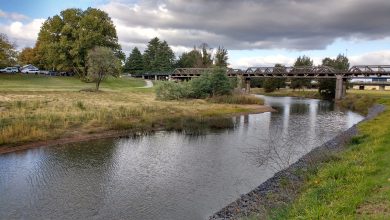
<point x="221" y="57"/>
<point x="134" y="63"/>
<point x="327" y="87"/>
<point x="191" y="59"/>
<point x="28" y="56"/>
<point x="158" y="56"/>
<point x="8" y="53"/>
<point x="211" y="84"/>
<point x="102" y="62"/>
<point x="64" y="40"/>
<point x="207" y="61"/>
<point x="303" y="61"/>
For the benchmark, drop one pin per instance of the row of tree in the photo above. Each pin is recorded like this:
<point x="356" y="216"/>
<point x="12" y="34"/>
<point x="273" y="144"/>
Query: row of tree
<point x="159" y="57"/>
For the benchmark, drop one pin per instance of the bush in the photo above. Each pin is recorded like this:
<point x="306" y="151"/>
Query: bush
<point x="212" y="84"/>
<point x="173" y="91"/>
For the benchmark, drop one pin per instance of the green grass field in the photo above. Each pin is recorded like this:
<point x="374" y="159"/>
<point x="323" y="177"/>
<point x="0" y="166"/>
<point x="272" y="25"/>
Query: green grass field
<point x="24" y="82"/>
<point x="357" y="184"/>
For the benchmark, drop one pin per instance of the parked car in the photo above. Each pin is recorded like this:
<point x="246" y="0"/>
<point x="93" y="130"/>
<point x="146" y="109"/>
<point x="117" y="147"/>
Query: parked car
<point x="10" y="70"/>
<point x="52" y="73"/>
<point x="35" y="71"/>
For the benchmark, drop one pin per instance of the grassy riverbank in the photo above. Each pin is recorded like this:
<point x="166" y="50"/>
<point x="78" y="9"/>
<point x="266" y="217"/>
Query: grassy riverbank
<point x="307" y="93"/>
<point x="354" y="184"/>
<point x="35" y="108"/>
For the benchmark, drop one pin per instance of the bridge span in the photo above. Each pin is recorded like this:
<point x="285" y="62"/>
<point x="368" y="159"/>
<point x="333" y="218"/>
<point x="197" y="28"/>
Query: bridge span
<point x="311" y="72"/>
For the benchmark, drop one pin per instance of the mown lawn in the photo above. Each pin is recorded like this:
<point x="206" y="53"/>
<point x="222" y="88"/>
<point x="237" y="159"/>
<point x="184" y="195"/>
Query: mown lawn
<point x="35" y="108"/>
<point x="25" y="82"/>
<point x="357" y="184"/>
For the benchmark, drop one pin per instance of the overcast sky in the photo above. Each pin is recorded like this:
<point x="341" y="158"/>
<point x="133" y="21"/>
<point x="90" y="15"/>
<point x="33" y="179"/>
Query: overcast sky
<point x="255" y="32"/>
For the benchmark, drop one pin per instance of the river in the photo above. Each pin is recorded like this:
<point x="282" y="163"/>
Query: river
<point x="166" y="175"/>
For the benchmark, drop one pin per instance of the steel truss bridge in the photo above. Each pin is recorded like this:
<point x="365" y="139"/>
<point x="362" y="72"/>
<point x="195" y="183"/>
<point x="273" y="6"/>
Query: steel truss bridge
<point x="360" y="71"/>
<point x="312" y="72"/>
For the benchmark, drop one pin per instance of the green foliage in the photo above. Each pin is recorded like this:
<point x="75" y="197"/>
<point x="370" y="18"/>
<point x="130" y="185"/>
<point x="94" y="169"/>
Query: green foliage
<point x="134" y="63"/>
<point x="269" y="85"/>
<point x="64" y="40"/>
<point x="327" y="87"/>
<point x="207" y="61"/>
<point x="102" y="62"/>
<point x="28" y="56"/>
<point x="191" y="59"/>
<point x="358" y="103"/>
<point x="168" y="90"/>
<point x="211" y="84"/>
<point x="221" y="57"/>
<point x="8" y="53"/>
<point x="257" y="82"/>
<point x="158" y="56"/>
<point x="297" y="83"/>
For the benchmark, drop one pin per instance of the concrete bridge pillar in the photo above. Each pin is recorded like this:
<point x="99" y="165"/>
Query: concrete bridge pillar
<point x="341" y="87"/>
<point x="155" y="77"/>
<point x="247" y="86"/>
<point x="382" y="87"/>
<point x="239" y="82"/>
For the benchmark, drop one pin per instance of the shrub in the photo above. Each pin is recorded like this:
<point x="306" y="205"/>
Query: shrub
<point x="173" y="90"/>
<point x="212" y="84"/>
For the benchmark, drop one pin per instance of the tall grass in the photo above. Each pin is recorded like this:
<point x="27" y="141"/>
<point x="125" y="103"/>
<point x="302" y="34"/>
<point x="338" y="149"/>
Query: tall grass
<point x="237" y="99"/>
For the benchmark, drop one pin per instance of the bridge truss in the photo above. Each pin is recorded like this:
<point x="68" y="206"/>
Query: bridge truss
<point x="359" y="71"/>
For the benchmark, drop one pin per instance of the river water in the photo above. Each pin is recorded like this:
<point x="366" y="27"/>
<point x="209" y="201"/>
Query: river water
<point x="166" y="175"/>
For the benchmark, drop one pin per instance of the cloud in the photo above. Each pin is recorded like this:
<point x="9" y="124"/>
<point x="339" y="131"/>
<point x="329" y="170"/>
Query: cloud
<point x="370" y="58"/>
<point x="12" y="16"/>
<point x="251" y="24"/>
<point x="23" y="34"/>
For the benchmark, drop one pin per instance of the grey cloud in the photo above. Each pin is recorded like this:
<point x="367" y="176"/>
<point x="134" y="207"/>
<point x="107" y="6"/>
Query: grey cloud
<point x="251" y="24"/>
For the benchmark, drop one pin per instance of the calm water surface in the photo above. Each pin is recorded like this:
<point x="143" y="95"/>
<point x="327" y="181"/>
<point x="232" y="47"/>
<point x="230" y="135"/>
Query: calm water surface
<point x="167" y="175"/>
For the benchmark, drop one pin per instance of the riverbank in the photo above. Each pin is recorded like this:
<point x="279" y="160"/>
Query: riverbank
<point x="39" y="110"/>
<point x="307" y="93"/>
<point x="345" y="178"/>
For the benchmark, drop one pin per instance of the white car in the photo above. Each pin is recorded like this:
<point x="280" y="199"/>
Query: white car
<point x="10" y="70"/>
<point x="35" y="71"/>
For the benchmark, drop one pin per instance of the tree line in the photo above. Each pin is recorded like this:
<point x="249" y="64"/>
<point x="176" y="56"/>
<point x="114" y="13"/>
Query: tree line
<point x="159" y="57"/>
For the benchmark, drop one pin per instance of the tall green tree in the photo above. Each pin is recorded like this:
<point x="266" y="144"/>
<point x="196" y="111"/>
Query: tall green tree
<point x="65" y="39"/>
<point x="158" y="56"/>
<point x="8" y="54"/>
<point x="190" y="59"/>
<point x="327" y="87"/>
<point x="298" y="83"/>
<point x="134" y="63"/>
<point x="221" y="57"/>
<point x="207" y="60"/>
<point x="102" y="62"/>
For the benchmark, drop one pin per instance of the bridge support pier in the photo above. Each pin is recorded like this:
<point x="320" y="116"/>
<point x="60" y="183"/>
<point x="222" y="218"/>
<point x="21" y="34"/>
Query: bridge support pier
<point x="341" y="87"/>
<point x="382" y="88"/>
<point x="155" y="77"/>
<point x="239" y="83"/>
<point x="247" y="86"/>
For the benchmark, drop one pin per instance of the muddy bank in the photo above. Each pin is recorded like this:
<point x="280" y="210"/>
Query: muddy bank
<point x="285" y="185"/>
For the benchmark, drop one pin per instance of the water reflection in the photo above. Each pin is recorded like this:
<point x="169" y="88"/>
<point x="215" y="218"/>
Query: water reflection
<point x="167" y="175"/>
